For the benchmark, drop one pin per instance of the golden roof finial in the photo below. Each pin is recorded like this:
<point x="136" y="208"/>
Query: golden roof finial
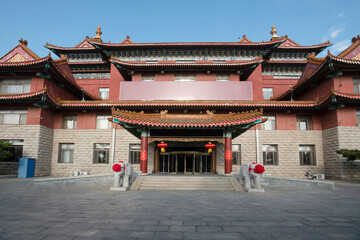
<point x="273" y="31"/>
<point x="98" y="34"/>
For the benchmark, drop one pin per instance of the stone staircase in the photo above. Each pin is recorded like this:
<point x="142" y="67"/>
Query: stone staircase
<point x="186" y="182"/>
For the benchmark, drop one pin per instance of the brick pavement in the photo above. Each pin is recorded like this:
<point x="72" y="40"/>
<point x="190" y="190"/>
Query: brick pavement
<point x="93" y="212"/>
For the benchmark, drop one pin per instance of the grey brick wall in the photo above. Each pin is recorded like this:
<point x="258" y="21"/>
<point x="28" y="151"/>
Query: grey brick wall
<point x="37" y="144"/>
<point x="84" y="140"/>
<point x="288" y="150"/>
<point x="337" y="138"/>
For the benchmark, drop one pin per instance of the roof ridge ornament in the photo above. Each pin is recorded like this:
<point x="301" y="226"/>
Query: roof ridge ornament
<point x="356" y="38"/>
<point x="98" y="35"/>
<point x="273" y="33"/>
<point x="24" y="42"/>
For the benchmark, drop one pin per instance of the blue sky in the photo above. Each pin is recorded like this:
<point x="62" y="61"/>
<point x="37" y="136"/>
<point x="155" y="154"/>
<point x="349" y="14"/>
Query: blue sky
<point x="66" y="23"/>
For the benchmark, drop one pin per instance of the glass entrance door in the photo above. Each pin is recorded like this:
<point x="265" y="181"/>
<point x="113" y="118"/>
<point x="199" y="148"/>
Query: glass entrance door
<point x="185" y="162"/>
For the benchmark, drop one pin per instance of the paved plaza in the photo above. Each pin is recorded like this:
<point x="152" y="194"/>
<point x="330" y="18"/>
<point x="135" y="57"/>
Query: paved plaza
<point x="93" y="212"/>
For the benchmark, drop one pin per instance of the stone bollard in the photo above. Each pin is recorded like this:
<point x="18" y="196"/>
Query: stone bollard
<point x="119" y="172"/>
<point x="250" y="177"/>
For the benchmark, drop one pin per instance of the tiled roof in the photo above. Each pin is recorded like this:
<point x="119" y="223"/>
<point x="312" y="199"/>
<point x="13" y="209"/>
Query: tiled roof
<point x="134" y="64"/>
<point x="180" y="44"/>
<point x="329" y="63"/>
<point x="189" y="103"/>
<point x="288" y="61"/>
<point x="22" y="96"/>
<point x="321" y="45"/>
<point x="165" y="120"/>
<point x="47" y="64"/>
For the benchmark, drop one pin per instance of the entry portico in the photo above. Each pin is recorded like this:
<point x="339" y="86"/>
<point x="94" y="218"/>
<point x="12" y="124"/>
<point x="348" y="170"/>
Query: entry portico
<point x="187" y="135"/>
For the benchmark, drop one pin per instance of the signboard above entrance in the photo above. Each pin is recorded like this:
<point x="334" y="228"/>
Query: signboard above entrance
<point x="171" y="90"/>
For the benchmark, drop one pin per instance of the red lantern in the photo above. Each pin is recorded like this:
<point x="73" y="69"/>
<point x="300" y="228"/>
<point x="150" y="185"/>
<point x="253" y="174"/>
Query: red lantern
<point x="162" y="145"/>
<point x="209" y="147"/>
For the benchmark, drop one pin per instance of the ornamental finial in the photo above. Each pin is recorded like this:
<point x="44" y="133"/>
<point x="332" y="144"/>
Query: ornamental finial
<point x="273" y="31"/>
<point x="21" y="41"/>
<point x="98" y="34"/>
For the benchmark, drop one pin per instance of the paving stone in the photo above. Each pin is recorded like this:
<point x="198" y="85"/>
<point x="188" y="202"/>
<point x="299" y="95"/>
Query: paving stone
<point x="337" y="219"/>
<point x="171" y="222"/>
<point x="57" y="237"/>
<point x="208" y="229"/>
<point x="93" y="212"/>
<point x="316" y="224"/>
<point x="26" y="237"/>
<point x="169" y="235"/>
<point x="182" y="228"/>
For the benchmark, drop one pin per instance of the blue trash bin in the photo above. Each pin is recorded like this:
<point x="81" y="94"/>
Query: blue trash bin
<point x="26" y="167"/>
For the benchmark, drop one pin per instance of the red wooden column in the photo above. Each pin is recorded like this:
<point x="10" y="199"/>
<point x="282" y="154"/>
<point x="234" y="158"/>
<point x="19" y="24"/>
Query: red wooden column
<point x="144" y="152"/>
<point x="228" y="152"/>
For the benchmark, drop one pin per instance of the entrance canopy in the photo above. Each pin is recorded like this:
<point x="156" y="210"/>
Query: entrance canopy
<point x="190" y="125"/>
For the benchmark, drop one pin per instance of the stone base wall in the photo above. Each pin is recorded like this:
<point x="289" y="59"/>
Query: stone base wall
<point x="42" y="144"/>
<point x="288" y="151"/>
<point x="37" y="144"/>
<point x="84" y="140"/>
<point x="9" y="168"/>
<point x="336" y="138"/>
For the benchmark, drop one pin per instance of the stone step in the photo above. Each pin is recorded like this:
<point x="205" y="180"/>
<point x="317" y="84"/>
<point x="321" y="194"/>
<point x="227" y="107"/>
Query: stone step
<point x="185" y="182"/>
<point x="187" y="188"/>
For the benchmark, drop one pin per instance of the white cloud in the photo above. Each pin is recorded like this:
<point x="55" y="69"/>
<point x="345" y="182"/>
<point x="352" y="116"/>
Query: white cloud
<point x="334" y="32"/>
<point x="340" y="46"/>
<point x="340" y="14"/>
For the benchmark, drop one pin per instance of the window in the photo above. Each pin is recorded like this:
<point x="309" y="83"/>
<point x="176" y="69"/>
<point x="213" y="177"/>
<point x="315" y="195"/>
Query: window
<point x="236" y="154"/>
<point x="101" y="152"/>
<point x="304" y="122"/>
<point x="134" y="153"/>
<point x="15" y="149"/>
<point x="148" y="77"/>
<point x="104" y="93"/>
<point x="358" y="117"/>
<point x="267" y="93"/>
<point x="223" y="77"/>
<point x="356" y="83"/>
<point x="185" y="77"/>
<point x="15" y="86"/>
<point x="13" y="116"/>
<point x="69" y="121"/>
<point x="307" y="155"/>
<point x="102" y="122"/>
<point x="270" y="155"/>
<point x="66" y="153"/>
<point x="270" y="124"/>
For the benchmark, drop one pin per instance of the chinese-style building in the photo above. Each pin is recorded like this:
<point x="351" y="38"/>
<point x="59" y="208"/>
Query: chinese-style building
<point x="273" y="102"/>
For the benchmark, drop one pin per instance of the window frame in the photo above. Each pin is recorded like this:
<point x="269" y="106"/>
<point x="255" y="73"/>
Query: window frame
<point x="304" y="118"/>
<point x="134" y="154"/>
<point x="236" y="155"/>
<point x="96" y="152"/>
<point x="61" y="153"/>
<point x="275" y="155"/>
<point x="69" y="117"/>
<point x="356" y="84"/>
<point x="221" y="78"/>
<point x="302" y="154"/>
<point x="22" y="116"/>
<point x="105" y="117"/>
<point x="148" y="77"/>
<point x="24" y="83"/>
<point x="272" y="121"/>
<point x="178" y="77"/>
<point x="107" y="92"/>
<point x="264" y="93"/>
<point x="16" y="147"/>
<point x="358" y="117"/>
